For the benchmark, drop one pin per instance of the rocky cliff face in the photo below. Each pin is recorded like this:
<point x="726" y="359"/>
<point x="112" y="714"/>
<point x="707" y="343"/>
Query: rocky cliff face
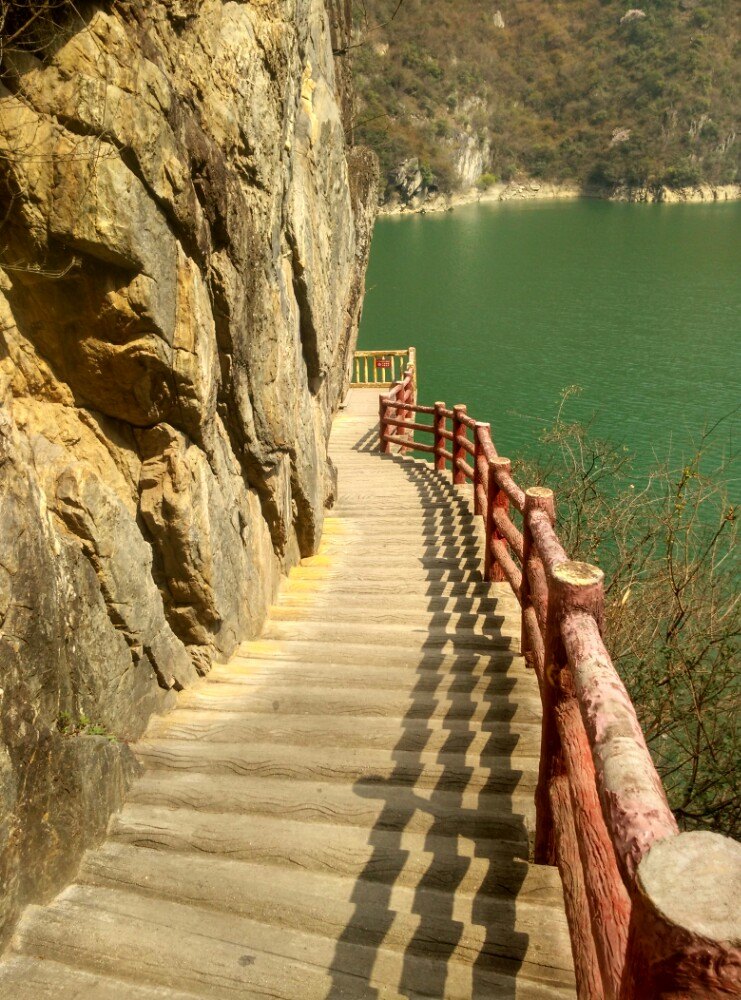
<point x="184" y="239"/>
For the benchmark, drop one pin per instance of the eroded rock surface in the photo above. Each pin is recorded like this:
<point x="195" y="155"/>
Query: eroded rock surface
<point x="184" y="243"/>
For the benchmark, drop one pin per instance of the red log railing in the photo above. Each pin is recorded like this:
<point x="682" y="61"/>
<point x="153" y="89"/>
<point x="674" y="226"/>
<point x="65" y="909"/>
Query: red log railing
<point x="601" y="812"/>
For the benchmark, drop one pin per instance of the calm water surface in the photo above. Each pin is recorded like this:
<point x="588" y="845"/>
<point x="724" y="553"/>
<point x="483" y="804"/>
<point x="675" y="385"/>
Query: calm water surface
<point x="640" y="305"/>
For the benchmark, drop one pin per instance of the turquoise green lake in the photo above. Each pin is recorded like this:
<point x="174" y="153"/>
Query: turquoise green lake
<point x="507" y="305"/>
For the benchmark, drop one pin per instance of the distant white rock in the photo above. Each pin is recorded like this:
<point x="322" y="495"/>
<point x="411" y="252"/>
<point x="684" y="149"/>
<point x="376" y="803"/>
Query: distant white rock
<point x="620" y="135"/>
<point x="635" y="14"/>
<point x="471" y="155"/>
<point x="498" y="19"/>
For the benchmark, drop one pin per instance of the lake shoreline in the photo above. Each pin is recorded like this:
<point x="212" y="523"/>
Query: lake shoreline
<point x="701" y="194"/>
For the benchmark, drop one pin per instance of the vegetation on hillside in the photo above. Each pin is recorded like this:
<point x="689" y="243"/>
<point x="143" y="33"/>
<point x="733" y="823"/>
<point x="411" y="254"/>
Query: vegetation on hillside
<point x="673" y="610"/>
<point x="592" y="91"/>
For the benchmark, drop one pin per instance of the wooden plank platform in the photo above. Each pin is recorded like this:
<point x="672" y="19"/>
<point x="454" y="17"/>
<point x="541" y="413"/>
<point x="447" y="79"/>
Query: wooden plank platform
<point x="342" y="811"/>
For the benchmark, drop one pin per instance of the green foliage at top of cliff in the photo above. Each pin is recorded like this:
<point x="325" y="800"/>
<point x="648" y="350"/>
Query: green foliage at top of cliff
<point x="564" y="90"/>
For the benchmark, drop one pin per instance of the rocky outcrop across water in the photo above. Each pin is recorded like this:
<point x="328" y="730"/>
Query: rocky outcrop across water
<point x="184" y="241"/>
<point x="536" y="190"/>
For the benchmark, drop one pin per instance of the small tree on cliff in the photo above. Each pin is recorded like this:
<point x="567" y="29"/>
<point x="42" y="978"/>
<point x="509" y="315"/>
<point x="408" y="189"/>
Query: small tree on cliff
<point x="30" y="25"/>
<point x="33" y="27"/>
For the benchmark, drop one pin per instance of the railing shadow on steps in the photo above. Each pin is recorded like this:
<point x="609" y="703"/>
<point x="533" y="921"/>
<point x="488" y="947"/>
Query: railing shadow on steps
<point x="651" y="910"/>
<point x="476" y="722"/>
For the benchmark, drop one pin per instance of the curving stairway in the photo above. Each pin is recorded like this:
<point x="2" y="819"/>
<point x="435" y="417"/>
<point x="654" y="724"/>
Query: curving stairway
<point x="342" y="810"/>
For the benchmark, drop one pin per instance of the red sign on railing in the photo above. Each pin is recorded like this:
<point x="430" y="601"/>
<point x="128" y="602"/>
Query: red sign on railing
<point x="383" y="362"/>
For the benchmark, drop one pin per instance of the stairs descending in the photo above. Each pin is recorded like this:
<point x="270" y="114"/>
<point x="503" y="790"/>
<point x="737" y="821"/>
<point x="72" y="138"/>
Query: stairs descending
<point x="342" y="810"/>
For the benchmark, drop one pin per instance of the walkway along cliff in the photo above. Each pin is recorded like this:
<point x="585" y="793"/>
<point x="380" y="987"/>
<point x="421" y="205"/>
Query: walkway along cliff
<point x="344" y="806"/>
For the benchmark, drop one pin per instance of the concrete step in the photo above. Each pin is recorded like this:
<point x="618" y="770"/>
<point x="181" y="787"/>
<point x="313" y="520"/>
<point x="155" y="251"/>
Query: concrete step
<point x="185" y="948"/>
<point x="438" y="736"/>
<point x="385" y="636"/>
<point x="443" y="659"/>
<point x="413" y="921"/>
<point x="420" y="578"/>
<point x="504" y="608"/>
<point x="428" y="550"/>
<point x="411" y="526"/>
<point x="467" y="588"/>
<point x="488" y="815"/>
<point x="352" y="703"/>
<point x="513" y="680"/>
<point x="350" y="515"/>
<point x="306" y="609"/>
<point x="421" y="770"/>
<point x="399" y="565"/>
<point x="403" y="859"/>
<point x="369" y="506"/>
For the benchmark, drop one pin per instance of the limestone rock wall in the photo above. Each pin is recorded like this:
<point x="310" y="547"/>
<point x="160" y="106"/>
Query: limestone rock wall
<point x="183" y="239"/>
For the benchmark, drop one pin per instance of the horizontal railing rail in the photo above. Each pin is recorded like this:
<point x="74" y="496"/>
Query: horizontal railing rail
<point x="601" y="811"/>
<point x="374" y="368"/>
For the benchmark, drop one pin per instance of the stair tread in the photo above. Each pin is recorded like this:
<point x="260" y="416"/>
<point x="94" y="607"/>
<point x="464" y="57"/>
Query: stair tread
<point x="354" y="703"/>
<point x="472" y="866"/>
<point x="439" y="735"/>
<point x="486" y="679"/>
<point x="487" y="814"/>
<point x="325" y="905"/>
<point x="420" y="769"/>
<point x="154" y="941"/>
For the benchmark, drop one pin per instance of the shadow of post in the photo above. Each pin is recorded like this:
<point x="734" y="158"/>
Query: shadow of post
<point x="447" y="907"/>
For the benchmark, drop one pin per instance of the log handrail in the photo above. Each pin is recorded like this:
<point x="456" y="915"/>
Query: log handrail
<point x="602" y="815"/>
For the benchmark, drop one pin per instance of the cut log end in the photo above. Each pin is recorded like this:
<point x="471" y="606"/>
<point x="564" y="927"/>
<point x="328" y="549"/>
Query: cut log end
<point x="578" y="574"/>
<point x="693" y="881"/>
<point x="539" y="493"/>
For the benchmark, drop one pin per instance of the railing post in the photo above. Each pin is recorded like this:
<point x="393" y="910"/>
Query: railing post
<point x="383" y="446"/>
<point x="536" y="498"/>
<point x="458" y="453"/>
<point x="683" y="937"/>
<point x="399" y="412"/>
<point x="480" y="470"/>
<point x="439" y="425"/>
<point x="495" y="497"/>
<point x="407" y="396"/>
<point x="573" y="586"/>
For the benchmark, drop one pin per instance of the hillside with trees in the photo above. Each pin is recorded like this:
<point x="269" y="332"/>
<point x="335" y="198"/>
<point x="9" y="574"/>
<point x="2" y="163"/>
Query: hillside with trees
<point x="593" y="92"/>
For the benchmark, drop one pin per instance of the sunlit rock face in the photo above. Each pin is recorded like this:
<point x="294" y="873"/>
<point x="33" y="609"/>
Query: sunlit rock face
<point x="184" y="235"/>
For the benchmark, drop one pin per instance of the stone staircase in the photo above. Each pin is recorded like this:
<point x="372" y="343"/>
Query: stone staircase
<point x="342" y="810"/>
